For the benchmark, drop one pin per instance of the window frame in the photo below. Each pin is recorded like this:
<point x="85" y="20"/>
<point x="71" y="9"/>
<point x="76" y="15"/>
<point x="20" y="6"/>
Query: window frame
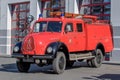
<point x="78" y="26"/>
<point x="71" y="28"/>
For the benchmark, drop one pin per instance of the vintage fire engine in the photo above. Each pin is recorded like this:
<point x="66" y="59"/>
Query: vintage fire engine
<point x="61" y="41"/>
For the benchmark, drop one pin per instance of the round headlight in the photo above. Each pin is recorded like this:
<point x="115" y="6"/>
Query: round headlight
<point x="49" y="49"/>
<point x="16" y="49"/>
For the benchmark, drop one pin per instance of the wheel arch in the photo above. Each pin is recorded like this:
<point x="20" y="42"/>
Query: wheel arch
<point x="59" y="46"/>
<point x="64" y="49"/>
<point x="101" y="46"/>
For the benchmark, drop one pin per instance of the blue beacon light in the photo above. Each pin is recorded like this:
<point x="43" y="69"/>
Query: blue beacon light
<point x="40" y="16"/>
<point x="62" y="15"/>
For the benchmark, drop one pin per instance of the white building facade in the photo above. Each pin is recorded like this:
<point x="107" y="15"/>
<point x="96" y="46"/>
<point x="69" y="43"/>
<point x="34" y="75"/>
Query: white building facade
<point x="115" y="22"/>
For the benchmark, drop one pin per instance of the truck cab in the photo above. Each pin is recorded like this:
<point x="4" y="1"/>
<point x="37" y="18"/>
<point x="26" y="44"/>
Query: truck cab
<point x="61" y="42"/>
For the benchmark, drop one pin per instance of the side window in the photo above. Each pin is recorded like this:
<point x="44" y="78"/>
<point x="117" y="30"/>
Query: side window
<point x="69" y="27"/>
<point x="79" y="27"/>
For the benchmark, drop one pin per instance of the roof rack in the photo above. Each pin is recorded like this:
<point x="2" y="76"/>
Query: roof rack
<point x="67" y="15"/>
<point x="103" y="21"/>
<point x="87" y="18"/>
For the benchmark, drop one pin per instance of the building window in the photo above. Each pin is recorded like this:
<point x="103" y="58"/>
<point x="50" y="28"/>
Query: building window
<point x="48" y="6"/>
<point x="19" y="13"/>
<point x="100" y="8"/>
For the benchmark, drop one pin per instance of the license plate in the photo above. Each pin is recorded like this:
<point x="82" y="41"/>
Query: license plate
<point x="28" y="60"/>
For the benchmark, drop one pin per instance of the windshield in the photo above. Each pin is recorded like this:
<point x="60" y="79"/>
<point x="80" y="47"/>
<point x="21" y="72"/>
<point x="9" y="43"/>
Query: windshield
<point x="51" y="26"/>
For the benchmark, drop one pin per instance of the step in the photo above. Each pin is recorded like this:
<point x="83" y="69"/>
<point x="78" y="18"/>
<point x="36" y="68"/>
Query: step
<point x="81" y="56"/>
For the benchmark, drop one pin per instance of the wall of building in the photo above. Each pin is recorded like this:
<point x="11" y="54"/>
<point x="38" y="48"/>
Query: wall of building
<point x="0" y="12"/>
<point x="115" y="21"/>
<point x="72" y="6"/>
<point x="115" y="12"/>
<point x="5" y="22"/>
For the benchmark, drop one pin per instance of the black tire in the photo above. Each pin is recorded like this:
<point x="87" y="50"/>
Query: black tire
<point x="97" y="61"/>
<point x="23" y="66"/>
<point x="59" y="63"/>
<point x="69" y="64"/>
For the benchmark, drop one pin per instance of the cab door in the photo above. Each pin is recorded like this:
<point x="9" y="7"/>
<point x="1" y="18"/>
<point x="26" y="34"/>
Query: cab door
<point x="80" y="36"/>
<point x="69" y="36"/>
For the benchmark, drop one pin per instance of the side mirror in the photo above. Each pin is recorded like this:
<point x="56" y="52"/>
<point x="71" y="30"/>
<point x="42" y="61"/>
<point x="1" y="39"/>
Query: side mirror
<point x="30" y="18"/>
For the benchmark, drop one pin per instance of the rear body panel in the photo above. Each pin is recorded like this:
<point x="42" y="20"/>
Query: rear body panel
<point x="99" y="33"/>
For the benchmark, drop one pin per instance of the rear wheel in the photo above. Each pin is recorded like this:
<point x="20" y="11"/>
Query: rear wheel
<point x="59" y="63"/>
<point x="97" y="61"/>
<point x="23" y="66"/>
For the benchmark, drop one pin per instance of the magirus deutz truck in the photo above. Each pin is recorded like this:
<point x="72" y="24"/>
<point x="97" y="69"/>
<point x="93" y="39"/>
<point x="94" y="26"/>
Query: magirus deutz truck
<point x="60" y="41"/>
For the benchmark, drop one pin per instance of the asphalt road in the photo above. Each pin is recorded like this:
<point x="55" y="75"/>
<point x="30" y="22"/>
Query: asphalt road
<point x="80" y="71"/>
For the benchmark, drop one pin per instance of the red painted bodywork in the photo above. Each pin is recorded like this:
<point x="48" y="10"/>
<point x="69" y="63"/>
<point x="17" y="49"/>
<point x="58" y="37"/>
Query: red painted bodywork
<point x="88" y="39"/>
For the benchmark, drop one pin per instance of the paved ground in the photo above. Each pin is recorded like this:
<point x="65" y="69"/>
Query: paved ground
<point x="80" y="71"/>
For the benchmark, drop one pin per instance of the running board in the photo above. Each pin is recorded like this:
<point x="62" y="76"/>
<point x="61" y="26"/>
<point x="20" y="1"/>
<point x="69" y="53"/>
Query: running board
<point x="81" y="56"/>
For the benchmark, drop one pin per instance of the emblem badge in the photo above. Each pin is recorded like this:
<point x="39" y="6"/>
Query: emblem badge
<point x="29" y="46"/>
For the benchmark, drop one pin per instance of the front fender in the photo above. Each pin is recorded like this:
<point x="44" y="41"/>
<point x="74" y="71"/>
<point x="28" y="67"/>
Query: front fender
<point x="56" y="46"/>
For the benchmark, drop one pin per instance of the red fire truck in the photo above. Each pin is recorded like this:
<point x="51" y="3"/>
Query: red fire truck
<point x="62" y="41"/>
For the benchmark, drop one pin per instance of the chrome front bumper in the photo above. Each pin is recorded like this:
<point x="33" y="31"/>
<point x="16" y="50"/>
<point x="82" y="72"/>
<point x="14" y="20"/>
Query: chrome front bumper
<point x="19" y="55"/>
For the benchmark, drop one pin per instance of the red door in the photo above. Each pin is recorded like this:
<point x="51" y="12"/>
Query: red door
<point x="69" y="37"/>
<point x="80" y="36"/>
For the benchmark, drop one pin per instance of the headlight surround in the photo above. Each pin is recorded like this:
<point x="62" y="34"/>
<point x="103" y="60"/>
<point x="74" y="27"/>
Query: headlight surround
<point x="49" y="50"/>
<point x="16" y="49"/>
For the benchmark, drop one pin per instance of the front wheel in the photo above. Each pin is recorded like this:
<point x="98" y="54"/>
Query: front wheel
<point x="23" y="66"/>
<point x="59" y="63"/>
